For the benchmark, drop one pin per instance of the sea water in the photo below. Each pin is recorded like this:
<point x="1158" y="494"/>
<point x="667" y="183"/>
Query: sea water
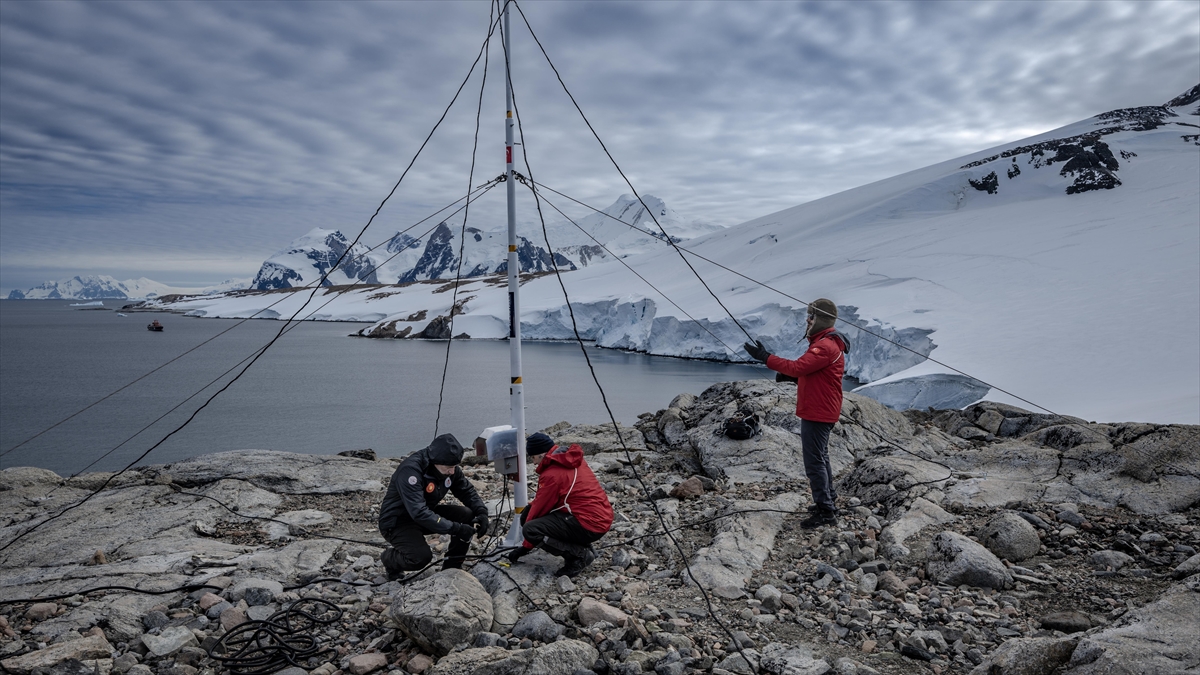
<point x="316" y="390"/>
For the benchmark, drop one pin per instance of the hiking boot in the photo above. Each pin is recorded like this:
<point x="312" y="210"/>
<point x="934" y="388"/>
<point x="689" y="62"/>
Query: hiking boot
<point x="574" y="565"/>
<point x="819" y="518"/>
<point x="390" y="567"/>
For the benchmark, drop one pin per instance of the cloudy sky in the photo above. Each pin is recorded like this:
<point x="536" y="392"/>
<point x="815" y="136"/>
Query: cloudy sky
<point x="187" y="141"/>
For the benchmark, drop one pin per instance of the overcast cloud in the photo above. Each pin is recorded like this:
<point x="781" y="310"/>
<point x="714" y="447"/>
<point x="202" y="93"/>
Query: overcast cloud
<point x="187" y="141"/>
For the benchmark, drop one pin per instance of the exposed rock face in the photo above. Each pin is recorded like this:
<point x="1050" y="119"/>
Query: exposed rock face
<point x="447" y="609"/>
<point x="954" y="560"/>
<point x="1158" y="638"/>
<point x="1028" y="656"/>
<point x="91" y="647"/>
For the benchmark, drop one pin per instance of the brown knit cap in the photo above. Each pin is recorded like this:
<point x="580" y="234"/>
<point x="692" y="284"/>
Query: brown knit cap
<point x="824" y="314"/>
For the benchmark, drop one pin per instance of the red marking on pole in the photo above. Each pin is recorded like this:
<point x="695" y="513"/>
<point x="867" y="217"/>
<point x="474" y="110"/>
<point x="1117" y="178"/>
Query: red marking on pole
<point x="508" y="154"/>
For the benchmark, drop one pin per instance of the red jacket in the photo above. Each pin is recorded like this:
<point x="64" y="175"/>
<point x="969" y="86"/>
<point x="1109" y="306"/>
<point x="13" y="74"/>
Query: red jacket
<point x="567" y="483"/>
<point x="818" y="376"/>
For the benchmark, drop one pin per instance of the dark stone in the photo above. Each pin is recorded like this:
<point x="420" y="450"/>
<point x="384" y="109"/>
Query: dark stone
<point x="257" y="596"/>
<point x="366" y="453"/>
<point x="538" y="626"/>
<point x="155" y="619"/>
<point x="916" y="653"/>
<point x="989" y="183"/>
<point x="71" y="667"/>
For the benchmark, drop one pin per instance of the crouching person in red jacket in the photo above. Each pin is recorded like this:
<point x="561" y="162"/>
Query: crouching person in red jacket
<point x="571" y="509"/>
<point x="818" y="376"/>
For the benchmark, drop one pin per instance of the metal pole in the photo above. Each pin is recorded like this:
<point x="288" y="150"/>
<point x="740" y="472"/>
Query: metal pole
<point x="516" y="391"/>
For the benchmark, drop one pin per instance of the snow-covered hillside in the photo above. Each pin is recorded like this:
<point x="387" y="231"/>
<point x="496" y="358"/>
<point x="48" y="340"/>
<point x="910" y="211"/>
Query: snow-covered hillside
<point x="1063" y="268"/>
<point x="93" y="287"/>
<point x="435" y="254"/>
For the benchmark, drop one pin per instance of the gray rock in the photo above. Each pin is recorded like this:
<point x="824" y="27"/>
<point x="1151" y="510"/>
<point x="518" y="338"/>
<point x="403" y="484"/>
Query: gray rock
<point x="256" y="589"/>
<point x="283" y="472"/>
<point x="954" y="559"/>
<point x="141" y="669"/>
<point x="215" y="611"/>
<point x="294" y="522"/>
<point x="564" y="656"/>
<point x="537" y="626"/>
<point x="1067" y="622"/>
<point x="920" y="515"/>
<point x="741" y="546"/>
<point x="1109" y="559"/>
<point x="1157" y="638"/>
<point x="1011" y="537"/>
<point x="83" y="649"/>
<point x="257" y="595"/>
<point x="781" y="659"/>
<point x="621" y="558"/>
<point x="592" y="611"/>
<point x="564" y="584"/>
<point x="868" y="583"/>
<point x="169" y="641"/>
<point x="155" y="619"/>
<point x="595" y="438"/>
<point x="40" y="611"/>
<point x="446" y="609"/>
<point x="1188" y="567"/>
<point x="1027" y="656"/>
<point x="489" y="640"/>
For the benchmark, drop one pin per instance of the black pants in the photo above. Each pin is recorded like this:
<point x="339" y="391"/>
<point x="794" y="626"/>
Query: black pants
<point x="559" y="533"/>
<point x="814" y="437"/>
<point x="409" y="550"/>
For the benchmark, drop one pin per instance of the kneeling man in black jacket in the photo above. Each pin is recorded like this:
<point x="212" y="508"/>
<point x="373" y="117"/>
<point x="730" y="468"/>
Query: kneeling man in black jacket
<point x="411" y="508"/>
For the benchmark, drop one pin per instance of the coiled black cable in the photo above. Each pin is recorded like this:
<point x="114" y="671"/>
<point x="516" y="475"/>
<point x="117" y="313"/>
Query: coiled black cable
<point x="286" y="638"/>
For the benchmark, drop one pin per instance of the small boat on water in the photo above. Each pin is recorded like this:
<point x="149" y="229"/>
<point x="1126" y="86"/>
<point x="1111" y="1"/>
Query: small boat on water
<point x="155" y="326"/>
<point x="120" y="314"/>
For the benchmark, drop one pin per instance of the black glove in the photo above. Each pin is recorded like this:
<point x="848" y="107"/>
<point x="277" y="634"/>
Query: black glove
<point x="757" y="351"/>
<point x="462" y="531"/>
<point x="518" y="553"/>
<point x="481" y="525"/>
<point x="780" y="377"/>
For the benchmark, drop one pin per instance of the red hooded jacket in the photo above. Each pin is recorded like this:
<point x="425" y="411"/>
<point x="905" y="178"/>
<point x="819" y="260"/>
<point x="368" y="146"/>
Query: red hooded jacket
<point x="567" y="483"/>
<point x="818" y="376"/>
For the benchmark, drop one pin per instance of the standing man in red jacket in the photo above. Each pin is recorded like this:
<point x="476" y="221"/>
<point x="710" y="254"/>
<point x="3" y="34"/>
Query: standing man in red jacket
<point x="571" y="509"/>
<point x="818" y="375"/>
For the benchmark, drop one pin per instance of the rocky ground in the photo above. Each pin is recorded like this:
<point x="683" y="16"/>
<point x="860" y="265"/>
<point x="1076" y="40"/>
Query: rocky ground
<point x="990" y="540"/>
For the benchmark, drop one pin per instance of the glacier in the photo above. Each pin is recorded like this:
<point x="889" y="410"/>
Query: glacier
<point x="999" y="276"/>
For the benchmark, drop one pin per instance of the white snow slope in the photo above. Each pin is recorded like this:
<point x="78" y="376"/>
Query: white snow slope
<point x="1086" y="304"/>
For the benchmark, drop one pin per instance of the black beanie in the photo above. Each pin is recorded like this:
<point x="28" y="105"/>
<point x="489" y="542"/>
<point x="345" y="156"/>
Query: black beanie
<point x="445" y="450"/>
<point x="538" y="443"/>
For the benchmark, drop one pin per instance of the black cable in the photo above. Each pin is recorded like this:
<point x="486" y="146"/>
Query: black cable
<point x="286" y="638"/>
<point x="281" y="330"/>
<point x="462" y="236"/>
<point x="603" y="397"/>
<point x="649" y="212"/>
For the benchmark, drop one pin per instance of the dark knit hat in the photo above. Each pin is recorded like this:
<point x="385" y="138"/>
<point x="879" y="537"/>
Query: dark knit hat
<point x="445" y="450"/>
<point x="824" y="314"/>
<point x="536" y="444"/>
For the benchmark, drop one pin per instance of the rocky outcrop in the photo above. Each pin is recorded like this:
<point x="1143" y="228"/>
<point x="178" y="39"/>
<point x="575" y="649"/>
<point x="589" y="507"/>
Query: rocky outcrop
<point x="899" y="583"/>
<point x="443" y="611"/>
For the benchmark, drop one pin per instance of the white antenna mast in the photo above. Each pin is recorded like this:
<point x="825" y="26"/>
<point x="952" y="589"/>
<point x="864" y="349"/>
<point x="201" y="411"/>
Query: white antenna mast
<point x="516" y="391"/>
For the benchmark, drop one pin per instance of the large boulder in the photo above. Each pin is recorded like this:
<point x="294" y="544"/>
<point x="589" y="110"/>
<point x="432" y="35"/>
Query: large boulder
<point x="445" y="610"/>
<point x="1010" y="536"/>
<point x="782" y="659"/>
<point x="1158" y="638"/>
<point x="954" y="559"/>
<point x="562" y="657"/>
<point x="1028" y="656"/>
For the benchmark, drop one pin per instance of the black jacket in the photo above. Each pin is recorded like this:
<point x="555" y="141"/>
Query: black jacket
<point x="416" y="486"/>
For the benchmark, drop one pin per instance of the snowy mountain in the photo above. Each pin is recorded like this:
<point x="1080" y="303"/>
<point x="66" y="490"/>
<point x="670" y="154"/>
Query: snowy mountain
<point x="1063" y="269"/>
<point x="436" y="255"/>
<point x="94" y="287"/>
<point x="99" y="286"/>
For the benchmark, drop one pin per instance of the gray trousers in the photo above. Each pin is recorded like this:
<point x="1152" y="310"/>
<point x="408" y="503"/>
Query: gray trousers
<point x="814" y="437"/>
